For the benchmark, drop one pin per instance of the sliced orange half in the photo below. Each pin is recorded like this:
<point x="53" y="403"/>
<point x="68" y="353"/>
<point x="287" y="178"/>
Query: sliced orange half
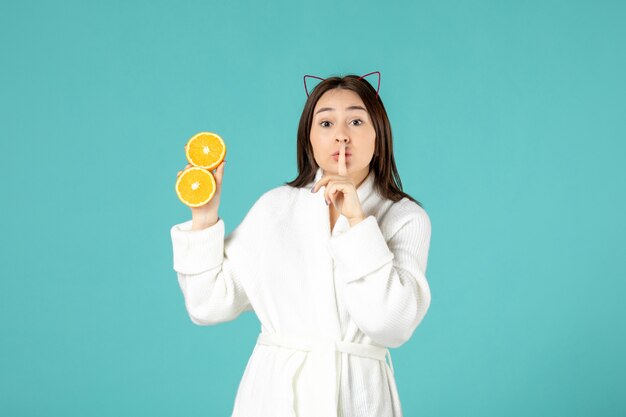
<point x="195" y="186"/>
<point x="205" y="150"/>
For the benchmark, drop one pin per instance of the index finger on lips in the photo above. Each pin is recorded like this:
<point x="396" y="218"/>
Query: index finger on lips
<point x="342" y="169"/>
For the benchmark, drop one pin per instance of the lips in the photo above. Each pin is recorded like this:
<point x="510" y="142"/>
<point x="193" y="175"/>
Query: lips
<point x="337" y="154"/>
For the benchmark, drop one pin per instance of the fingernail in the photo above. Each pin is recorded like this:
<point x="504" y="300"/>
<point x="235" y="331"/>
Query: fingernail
<point x="327" y="203"/>
<point x="312" y="188"/>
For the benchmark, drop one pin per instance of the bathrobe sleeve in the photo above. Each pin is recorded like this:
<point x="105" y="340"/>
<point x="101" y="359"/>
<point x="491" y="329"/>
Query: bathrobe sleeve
<point x="212" y="269"/>
<point x="385" y="285"/>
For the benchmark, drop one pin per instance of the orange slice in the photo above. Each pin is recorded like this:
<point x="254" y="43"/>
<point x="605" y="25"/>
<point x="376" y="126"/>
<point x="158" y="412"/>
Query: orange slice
<point x="195" y="186"/>
<point x="205" y="150"/>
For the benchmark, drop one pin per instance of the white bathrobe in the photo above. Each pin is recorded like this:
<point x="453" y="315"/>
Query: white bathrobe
<point x="329" y="304"/>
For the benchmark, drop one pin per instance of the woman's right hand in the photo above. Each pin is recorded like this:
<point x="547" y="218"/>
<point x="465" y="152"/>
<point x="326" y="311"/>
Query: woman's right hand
<point x="207" y="215"/>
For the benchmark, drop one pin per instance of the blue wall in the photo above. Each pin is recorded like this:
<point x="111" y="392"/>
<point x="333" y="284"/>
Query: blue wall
<point x="508" y="122"/>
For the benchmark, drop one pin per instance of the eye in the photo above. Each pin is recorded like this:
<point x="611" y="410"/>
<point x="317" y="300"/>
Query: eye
<point x="358" y="120"/>
<point x="324" y="121"/>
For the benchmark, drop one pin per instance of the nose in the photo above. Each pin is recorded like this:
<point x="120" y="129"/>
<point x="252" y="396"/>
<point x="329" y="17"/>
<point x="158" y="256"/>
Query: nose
<point x="342" y="136"/>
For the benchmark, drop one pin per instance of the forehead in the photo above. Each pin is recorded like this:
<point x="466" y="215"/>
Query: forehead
<point x="339" y="98"/>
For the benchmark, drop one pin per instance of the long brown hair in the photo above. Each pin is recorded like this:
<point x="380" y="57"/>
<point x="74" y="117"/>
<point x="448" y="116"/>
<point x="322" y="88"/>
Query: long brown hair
<point x="387" y="180"/>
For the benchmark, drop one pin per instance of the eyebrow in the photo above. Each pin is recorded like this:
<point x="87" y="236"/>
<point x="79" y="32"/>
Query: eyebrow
<point x="347" y="108"/>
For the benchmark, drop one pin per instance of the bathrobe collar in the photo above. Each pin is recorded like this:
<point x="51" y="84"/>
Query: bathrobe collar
<point x="318" y="229"/>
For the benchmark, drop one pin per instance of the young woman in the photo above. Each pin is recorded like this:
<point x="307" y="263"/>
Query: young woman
<point x="332" y="263"/>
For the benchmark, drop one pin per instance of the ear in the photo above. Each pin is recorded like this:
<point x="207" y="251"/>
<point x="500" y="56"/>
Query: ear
<point x="374" y="72"/>
<point x="310" y="76"/>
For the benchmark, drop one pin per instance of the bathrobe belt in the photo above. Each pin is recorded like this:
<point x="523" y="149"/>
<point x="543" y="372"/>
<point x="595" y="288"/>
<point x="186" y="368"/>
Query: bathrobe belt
<point x="326" y="365"/>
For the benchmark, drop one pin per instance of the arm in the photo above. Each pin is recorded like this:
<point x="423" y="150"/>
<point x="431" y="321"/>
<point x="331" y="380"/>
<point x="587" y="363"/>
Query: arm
<point x="208" y="269"/>
<point x="386" y="290"/>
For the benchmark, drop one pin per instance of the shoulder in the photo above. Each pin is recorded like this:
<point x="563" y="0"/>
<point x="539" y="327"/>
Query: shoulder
<point x="407" y="207"/>
<point x="274" y="199"/>
<point x="258" y="217"/>
<point x="406" y="212"/>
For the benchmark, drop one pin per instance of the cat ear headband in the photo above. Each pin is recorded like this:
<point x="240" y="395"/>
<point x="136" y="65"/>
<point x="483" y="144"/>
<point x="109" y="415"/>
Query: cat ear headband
<point x="362" y="76"/>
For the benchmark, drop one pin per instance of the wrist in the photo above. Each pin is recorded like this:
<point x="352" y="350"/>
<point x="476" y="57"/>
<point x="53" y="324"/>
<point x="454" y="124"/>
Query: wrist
<point x="203" y="223"/>
<point x="356" y="220"/>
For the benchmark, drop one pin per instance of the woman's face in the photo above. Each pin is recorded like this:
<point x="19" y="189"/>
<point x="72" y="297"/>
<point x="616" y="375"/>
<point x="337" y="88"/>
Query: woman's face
<point x="340" y="116"/>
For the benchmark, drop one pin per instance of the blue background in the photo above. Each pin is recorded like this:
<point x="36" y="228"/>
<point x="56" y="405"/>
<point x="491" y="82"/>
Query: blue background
<point x="508" y="122"/>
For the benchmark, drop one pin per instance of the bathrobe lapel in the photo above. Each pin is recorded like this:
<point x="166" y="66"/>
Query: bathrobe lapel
<point x="325" y="287"/>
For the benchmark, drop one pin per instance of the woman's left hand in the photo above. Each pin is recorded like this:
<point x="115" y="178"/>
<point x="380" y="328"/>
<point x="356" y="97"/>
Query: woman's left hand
<point x="341" y="191"/>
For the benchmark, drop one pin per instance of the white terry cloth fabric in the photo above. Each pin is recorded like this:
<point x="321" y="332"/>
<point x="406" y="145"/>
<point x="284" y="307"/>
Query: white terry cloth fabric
<point x="330" y="304"/>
